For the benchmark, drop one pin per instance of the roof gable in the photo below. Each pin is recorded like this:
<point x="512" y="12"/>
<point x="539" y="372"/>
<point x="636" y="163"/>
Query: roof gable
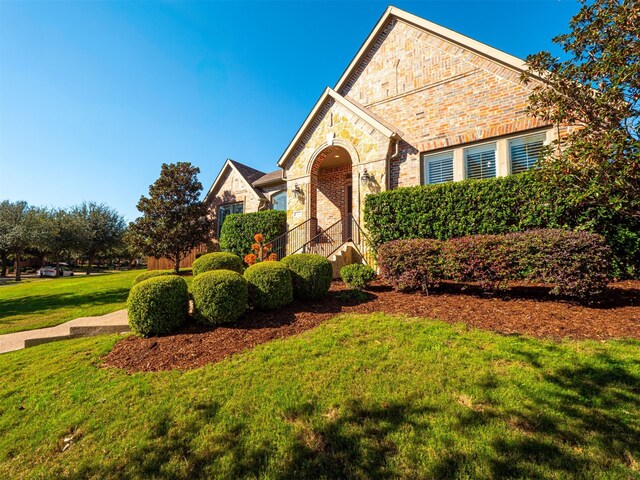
<point x="381" y="29"/>
<point x="248" y="175"/>
<point x="376" y="122"/>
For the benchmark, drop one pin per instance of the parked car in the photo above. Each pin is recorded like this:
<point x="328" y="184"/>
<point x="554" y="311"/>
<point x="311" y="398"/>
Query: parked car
<point x="51" y="271"/>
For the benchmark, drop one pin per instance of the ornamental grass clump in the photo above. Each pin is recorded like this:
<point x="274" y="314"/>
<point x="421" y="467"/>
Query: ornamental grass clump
<point x="311" y="275"/>
<point x="158" y="305"/>
<point x="219" y="296"/>
<point x="357" y="276"/>
<point x="270" y="285"/>
<point x="150" y="274"/>
<point x="217" y="261"/>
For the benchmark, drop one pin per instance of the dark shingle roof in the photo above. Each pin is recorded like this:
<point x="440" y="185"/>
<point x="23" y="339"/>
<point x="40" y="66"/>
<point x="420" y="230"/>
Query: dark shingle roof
<point x="249" y="174"/>
<point x="269" y="178"/>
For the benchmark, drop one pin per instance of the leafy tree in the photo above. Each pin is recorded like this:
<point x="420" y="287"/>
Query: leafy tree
<point x="174" y="220"/>
<point x="597" y="88"/>
<point x="99" y="229"/>
<point x="19" y="230"/>
<point x="60" y="234"/>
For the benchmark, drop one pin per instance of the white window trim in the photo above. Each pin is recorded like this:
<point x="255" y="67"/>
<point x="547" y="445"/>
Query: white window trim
<point x="503" y="154"/>
<point x="427" y="157"/>
<point x="479" y="146"/>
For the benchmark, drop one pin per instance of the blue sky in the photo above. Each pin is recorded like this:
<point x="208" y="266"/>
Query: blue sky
<point x="95" y="96"/>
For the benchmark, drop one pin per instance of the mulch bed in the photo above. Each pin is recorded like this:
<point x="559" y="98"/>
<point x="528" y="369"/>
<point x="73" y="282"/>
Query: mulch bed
<point x="529" y="311"/>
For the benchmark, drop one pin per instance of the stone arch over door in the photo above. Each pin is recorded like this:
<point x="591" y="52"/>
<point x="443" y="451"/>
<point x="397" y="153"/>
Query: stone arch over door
<point x="331" y="192"/>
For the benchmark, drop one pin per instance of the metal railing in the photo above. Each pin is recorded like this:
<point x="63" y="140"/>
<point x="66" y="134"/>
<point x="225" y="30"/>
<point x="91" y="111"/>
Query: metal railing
<point x="309" y="238"/>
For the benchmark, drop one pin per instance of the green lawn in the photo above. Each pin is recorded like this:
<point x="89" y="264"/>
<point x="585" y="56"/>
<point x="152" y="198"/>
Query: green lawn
<point x="362" y="396"/>
<point x="45" y="302"/>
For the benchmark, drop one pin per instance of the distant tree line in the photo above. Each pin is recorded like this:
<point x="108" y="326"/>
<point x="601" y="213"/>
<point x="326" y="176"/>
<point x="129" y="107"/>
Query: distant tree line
<point x="89" y="231"/>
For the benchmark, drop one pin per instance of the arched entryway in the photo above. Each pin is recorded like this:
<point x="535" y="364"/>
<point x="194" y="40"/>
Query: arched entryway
<point x="331" y="189"/>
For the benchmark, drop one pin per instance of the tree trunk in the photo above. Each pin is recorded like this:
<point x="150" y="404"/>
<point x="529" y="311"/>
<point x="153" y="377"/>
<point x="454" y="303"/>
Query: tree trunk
<point x="3" y="257"/>
<point x="89" y="265"/>
<point x="18" y="273"/>
<point x="176" y="267"/>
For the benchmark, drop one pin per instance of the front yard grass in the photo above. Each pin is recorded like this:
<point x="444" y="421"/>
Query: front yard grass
<point x="46" y="302"/>
<point x="361" y="396"/>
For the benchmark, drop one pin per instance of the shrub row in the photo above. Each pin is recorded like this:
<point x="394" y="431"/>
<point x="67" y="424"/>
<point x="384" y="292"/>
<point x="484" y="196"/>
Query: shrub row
<point x="575" y="263"/>
<point x="238" y="229"/>
<point x="159" y="305"/>
<point x="496" y="206"/>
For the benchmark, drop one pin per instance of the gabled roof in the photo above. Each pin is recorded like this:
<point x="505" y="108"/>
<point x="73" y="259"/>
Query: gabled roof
<point x="437" y="30"/>
<point x="376" y="122"/>
<point x="248" y="174"/>
<point x="269" y="179"/>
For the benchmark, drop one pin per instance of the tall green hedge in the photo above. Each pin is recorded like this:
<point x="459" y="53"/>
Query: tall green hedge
<point x="239" y="228"/>
<point x="499" y="205"/>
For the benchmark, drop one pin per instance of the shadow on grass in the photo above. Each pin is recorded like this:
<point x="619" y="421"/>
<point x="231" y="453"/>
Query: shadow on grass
<point x="580" y="411"/>
<point x="44" y="303"/>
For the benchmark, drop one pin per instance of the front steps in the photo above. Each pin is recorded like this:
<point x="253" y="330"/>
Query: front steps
<point x="345" y="255"/>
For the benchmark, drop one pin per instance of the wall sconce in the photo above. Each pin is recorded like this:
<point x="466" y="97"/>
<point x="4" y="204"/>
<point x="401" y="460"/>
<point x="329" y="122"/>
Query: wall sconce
<point x="298" y="193"/>
<point x="367" y="179"/>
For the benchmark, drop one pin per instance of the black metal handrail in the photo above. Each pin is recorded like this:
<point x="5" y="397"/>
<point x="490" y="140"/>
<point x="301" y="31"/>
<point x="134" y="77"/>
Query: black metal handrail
<point x="292" y="240"/>
<point x="309" y="238"/>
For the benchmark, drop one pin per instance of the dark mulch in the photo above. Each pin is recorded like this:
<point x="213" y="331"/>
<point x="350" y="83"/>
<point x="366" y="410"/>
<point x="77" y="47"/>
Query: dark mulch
<point x="529" y="311"/>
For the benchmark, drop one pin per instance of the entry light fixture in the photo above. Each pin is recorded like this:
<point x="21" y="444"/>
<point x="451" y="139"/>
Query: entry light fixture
<point x="367" y="179"/>
<point x="298" y="192"/>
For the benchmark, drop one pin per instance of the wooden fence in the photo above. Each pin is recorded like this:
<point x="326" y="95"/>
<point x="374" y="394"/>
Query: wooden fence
<point x="166" y="264"/>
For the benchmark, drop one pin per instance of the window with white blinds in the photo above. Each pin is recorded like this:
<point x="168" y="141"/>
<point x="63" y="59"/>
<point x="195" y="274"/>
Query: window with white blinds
<point x="438" y="168"/>
<point x="480" y="161"/>
<point x="524" y="152"/>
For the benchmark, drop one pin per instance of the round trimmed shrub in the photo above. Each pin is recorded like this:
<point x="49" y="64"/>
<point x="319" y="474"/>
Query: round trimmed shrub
<point x="219" y="296"/>
<point x="158" y="305"/>
<point x="150" y="274"/>
<point x="311" y="275"/>
<point x="270" y="285"/>
<point x="357" y="275"/>
<point x="217" y="261"/>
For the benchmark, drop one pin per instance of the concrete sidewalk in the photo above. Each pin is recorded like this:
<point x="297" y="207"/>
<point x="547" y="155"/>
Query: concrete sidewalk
<point x="115" y="322"/>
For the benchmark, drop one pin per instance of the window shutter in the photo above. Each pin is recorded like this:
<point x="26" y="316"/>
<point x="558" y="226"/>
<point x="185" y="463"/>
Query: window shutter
<point x="481" y="161"/>
<point x="524" y="152"/>
<point x="438" y="168"/>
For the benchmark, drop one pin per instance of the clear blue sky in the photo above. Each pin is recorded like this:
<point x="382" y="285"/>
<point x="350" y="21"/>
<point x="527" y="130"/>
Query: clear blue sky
<point x="95" y="96"/>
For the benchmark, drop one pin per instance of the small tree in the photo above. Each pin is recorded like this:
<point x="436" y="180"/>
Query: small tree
<point x="19" y="229"/>
<point x="61" y="234"/>
<point x="99" y="229"/>
<point x="174" y="220"/>
<point x="597" y="88"/>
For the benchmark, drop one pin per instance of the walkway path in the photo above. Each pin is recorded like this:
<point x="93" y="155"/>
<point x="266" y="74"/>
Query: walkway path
<point x="115" y="322"/>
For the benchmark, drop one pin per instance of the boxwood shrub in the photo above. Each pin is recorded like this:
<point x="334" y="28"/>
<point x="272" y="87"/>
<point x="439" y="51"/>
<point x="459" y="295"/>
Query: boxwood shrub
<point x="269" y="285"/>
<point x="219" y="296"/>
<point x="150" y="274"/>
<point x="357" y="275"/>
<point x="574" y="263"/>
<point x="217" y="261"/>
<point x="311" y="275"/>
<point x="238" y="229"/>
<point x="496" y="206"/>
<point x="158" y="305"/>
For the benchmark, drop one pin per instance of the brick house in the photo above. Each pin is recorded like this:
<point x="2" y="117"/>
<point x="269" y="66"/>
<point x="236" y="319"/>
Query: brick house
<point x="418" y="104"/>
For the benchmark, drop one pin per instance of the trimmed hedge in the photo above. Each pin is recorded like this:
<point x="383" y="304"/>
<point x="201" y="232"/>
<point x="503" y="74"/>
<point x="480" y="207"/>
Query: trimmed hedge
<point x="411" y="264"/>
<point x="311" y="275"/>
<point x="219" y="296"/>
<point x="238" y="229"/>
<point x="496" y="206"/>
<point x="270" y="285"/>
<point x="158" y="305"/>
<point x="217" y="261"/>
<point x="357" y="275"/>
<point x="575" y="263"/>
<point x="151" y="274"/>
